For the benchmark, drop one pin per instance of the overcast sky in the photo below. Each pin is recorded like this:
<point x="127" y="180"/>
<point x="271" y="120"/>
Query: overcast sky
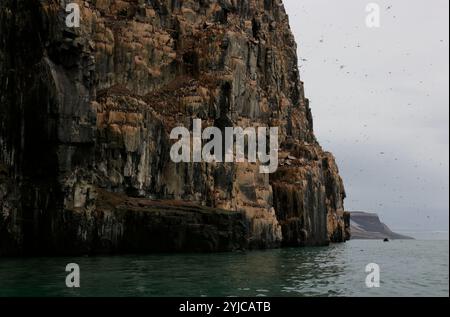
<point x="380" y="102"/>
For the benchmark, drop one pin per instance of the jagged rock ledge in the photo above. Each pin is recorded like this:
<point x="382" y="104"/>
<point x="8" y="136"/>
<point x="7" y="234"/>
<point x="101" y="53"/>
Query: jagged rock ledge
<point x="120" y="224"/>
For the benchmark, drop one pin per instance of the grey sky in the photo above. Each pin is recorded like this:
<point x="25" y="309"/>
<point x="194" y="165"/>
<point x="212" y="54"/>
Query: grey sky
<point x="380" y="102"/>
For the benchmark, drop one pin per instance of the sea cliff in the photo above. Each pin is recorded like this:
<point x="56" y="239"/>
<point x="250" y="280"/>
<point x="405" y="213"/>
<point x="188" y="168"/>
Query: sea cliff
<point x="85" y="118"/>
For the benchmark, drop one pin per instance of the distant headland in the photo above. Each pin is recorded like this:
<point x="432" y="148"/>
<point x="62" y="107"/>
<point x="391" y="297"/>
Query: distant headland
<point x="367" y="226"/>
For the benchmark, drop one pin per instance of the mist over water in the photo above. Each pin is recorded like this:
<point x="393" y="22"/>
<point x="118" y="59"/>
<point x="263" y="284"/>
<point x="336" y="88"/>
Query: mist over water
<point x="426" y="235"/>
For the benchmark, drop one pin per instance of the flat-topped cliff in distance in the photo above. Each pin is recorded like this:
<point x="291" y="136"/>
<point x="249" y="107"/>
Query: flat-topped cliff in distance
<point x="367" y="226"/>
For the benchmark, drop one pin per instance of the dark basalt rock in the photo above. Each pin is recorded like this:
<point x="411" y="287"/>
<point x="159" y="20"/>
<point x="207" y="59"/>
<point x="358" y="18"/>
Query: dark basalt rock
<point x="89" y="110"/>
<point x="120" y="224"/>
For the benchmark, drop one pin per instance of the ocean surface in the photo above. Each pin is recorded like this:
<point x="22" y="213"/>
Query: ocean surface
<point x="407" y="268"/>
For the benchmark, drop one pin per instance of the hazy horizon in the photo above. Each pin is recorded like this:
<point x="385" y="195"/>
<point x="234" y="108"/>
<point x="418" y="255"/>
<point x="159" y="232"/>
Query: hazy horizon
<point x="379" y="97"/>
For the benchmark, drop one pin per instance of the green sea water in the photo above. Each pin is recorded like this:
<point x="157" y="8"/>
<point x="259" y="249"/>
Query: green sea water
<point x="407" y="268"/>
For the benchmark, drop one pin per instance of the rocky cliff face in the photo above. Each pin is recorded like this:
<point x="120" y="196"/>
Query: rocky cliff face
<point x="85" y="117"/>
